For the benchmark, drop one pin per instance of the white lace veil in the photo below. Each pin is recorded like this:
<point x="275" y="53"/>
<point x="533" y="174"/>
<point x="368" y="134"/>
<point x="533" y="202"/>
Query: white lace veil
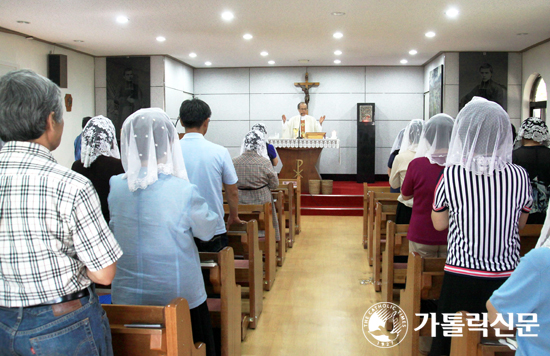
<point x="533" y="128"/>
<point x="435" y="138"/>
<point x="149" y="144"/>
<point x="255" y="141"/>
<point x="397" y="142"/>
<point x="481" y="141"/>
<point x="411" y="136"/>
<point x="98" y="139"/>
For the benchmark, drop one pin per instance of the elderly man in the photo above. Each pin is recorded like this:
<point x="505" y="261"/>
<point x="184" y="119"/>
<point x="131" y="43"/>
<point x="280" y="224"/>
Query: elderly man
<point x="55" y="241"/>
<point x="298" y="125"/>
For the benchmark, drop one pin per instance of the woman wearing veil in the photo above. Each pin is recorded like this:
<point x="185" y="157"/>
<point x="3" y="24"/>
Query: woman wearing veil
<point x="483" y="199"/>
<point x="394" y="152"/>
<point x="155" y="213"/>
<point x="532" y="153"/>
<point x="407" y="151"/>
<point x="271" y="151"/>
<point x="420" y="182"/>
<point x="256" y="174"/>
<point x="99" y="158"/>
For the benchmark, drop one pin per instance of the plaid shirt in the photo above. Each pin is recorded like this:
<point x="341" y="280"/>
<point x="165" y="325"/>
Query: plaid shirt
<point x="256" y="179"/>
<point x="51" y="228"/>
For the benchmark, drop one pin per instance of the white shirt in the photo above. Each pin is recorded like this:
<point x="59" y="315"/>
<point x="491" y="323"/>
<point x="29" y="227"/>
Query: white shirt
<point x="312" y="125"/>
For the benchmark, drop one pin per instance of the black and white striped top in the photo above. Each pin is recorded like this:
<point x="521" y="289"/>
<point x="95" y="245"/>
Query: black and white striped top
<point x="484" y="212"/>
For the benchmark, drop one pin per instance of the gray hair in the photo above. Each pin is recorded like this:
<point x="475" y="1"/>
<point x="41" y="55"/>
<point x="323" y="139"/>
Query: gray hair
<point x="300" y="103"/>
<point x="26" y="101"/>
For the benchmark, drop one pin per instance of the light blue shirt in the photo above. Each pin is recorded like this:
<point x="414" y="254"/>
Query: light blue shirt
<point x="155" y="228"/>
<point x="209" y="166"/>
<point x="528" y="291"/>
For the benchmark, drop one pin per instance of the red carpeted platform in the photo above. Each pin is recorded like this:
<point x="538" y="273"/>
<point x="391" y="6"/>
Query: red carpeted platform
<point x="346" y="200"/>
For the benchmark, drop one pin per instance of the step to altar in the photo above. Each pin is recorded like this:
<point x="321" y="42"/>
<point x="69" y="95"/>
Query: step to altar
<point x="332" y="205"/>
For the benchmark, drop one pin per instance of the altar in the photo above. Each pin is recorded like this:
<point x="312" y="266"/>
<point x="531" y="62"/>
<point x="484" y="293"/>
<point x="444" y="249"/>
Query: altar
<point x="299" y="158"/>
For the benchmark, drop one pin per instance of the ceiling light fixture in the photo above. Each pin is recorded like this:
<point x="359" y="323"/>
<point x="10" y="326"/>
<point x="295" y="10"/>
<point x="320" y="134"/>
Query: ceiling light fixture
<point x="452" y="13"/>
<point x="338" y="13"/>
<point x="161" y="39"/>
<point x="192" y="54"/>
<point x="404" y="61"/>
<point x="227" y="16"/>
<point x="122" y="19"/>
<point x="338" y="35"/>
<point x="24" y="22"/>
<point x="337" y="53"/>
<point x="337" y="61"/>
<point x="208" y="63"/>
<point x="264" y="53"/>
<point x="412" y="52"/>
<point x="247" y="36"/>
<point x="271" y="62"/>
<point x="430" y="34"/>
<point x="30" y="38"/>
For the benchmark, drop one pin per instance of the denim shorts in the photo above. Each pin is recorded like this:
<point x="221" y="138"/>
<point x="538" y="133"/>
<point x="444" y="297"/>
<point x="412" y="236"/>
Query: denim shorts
<point x="35" y="331"/>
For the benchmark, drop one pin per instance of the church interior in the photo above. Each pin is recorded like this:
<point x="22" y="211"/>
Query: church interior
<point x="243" y="58"/>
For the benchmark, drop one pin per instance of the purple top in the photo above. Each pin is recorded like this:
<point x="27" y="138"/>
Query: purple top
<point x="420" y="181"/>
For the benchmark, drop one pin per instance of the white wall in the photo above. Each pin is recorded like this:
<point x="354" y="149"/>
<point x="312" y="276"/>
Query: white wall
<point x="241" y="97"/>
<point x="178" y="86"/>
<point x="535" y="61"/>
<point x="18" y="52"/>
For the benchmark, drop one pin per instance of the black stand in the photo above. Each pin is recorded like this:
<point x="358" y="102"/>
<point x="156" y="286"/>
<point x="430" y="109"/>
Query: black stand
<point x="366" y="146"/>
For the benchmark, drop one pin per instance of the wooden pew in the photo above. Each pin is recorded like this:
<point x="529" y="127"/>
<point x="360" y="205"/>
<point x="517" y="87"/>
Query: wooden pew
<point x="529" y="236"/>
<point x="366" y="190"/>
<point x="225" y="308"/>
<point x="289" y="190"/>
<point x="470" y="343"/>
<point x="424" y="281"/>
<point x="396" y="245"/>
<point x="297" y="202"/>
<point x="279" y="201"/>
<point x="373" y="198"/>
<point x="243" y="238"/>
<point x="173" y="338"/>
<point x="384" y="211"/>
<point x="262" y="214"/>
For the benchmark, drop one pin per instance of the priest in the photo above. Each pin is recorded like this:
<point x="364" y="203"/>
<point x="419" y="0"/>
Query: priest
<point x="298" y="125"/>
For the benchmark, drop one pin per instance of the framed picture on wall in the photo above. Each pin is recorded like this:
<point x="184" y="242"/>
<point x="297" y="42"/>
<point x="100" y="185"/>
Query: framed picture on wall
<point x="365" y="112"/>
<point x="436" y="90"/>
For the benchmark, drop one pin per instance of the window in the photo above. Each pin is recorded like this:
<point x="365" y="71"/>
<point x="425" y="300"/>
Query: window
<point x="537" y="107"/>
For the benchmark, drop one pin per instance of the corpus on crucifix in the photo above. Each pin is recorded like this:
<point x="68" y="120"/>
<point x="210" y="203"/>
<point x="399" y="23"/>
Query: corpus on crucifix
<point x="298" y="125"/>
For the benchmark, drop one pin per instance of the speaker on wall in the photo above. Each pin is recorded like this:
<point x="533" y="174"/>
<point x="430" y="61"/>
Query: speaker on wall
<point x="57" y="69"/>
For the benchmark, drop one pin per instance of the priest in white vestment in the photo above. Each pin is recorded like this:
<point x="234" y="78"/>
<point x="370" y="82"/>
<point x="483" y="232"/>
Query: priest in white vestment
<point x="293" y="127"/>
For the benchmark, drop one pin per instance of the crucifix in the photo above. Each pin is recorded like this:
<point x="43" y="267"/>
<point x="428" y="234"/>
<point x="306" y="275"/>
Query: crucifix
<point x="305" y="86"/>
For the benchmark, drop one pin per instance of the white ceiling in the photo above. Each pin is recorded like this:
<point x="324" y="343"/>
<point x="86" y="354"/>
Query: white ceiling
<point x="376" y="32"/>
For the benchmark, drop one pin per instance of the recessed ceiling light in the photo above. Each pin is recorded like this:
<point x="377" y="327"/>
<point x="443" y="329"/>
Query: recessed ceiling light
<point x="338" y="35"/>
<point x="227" y="16"/>
<point x="522" y="34"/>
<point x="404" y="61"/>
<point x="208" y="63"/>
<point x="452" y="13"/>
<point x="338" y="13"/>
<point x="78" y="41"/>
<point x="30" y="38"/>
<point x="271" y="62"/>
<point x="412" y="52"/>
<point x="264" y="53"/>
<point x="337" y="53"/>
<point x="337" y="61"/>
<point x="24" y="22"/>
<point x="192" y="54"/>
<point x="430" y="34"/>
<point x="161" y="39"/>
<point x="247" y="36"/>
<point x="122" y="19"/>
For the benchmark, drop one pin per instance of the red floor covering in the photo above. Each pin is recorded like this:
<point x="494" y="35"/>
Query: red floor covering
<point x="353" y="188"/>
